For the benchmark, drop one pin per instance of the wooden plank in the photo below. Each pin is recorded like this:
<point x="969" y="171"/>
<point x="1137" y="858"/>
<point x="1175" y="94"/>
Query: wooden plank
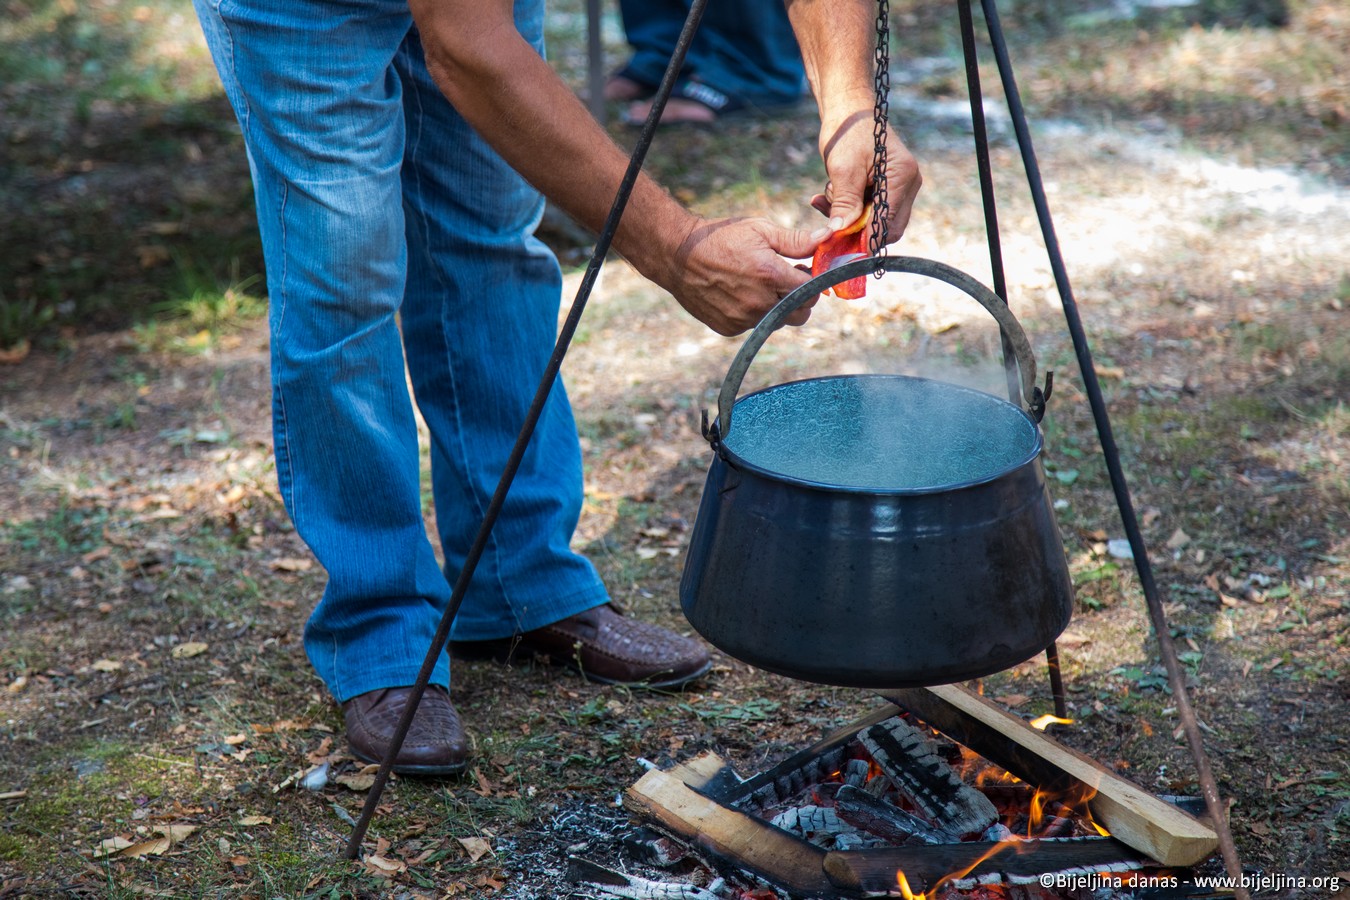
<point x="1150" y="825"/>
<point x="874" y="869"/>
<point x="732" y="836"/>
<point x="703" y="770"/>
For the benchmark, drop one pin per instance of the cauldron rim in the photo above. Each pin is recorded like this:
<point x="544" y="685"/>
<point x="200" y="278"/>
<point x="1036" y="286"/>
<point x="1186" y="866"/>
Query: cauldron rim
<point x="739" y="463"/>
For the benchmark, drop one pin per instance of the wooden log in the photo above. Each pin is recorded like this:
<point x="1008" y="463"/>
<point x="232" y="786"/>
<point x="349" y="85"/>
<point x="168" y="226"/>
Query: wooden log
<point x="875" y="869"/>
<point x="617" y="884"/>
<point x="911" y="761"/>
<point x="649" y="846"/>
<point x="807" y="820"/>
<point x="883" y="819"/>
<point x="1137" y="818"/>
<point x="731" y="836"/>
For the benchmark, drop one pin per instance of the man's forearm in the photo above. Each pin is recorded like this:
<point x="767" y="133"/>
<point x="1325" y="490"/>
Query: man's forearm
<point x="838" y="42"/>
<point x="520" y="106"/>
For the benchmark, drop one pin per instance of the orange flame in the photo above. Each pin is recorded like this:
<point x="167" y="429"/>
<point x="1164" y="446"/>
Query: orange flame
<point x="1040" y="723"/>
<point x="904" y="888"/>
<point x="932" y="892"/>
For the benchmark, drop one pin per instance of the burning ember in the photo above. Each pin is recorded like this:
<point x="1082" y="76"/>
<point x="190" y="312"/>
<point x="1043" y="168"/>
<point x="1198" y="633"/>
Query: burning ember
<point x="890" y="809"/>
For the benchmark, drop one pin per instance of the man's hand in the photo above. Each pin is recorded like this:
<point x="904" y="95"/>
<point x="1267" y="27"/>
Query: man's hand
<point x="838" y="39"/>
<point x="729" y="272"/>
<point x="847" y="148"/>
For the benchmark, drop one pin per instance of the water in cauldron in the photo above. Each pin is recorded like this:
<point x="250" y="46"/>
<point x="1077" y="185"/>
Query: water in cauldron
<point x="880" y="433"/>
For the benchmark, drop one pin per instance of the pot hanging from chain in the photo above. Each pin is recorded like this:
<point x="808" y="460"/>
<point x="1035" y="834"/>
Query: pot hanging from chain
<point x="877" y="530"/>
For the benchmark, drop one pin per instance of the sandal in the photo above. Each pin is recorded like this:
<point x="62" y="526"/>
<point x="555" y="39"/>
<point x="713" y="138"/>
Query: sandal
<point x="707" y="104"/>
<point x="623" y="86"/>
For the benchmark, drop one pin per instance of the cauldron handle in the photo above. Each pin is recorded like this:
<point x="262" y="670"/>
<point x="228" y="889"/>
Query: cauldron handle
<point x="1033" y="397"/>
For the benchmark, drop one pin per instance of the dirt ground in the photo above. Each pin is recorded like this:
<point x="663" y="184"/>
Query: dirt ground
<point x="153" y="690"/>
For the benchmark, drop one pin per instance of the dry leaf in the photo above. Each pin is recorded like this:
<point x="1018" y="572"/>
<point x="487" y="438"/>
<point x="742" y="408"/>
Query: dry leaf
<point x="356" y="781"/>
<point x="152" y="847"/>
<point x="106" y="665"/>
<point x="249" y="821"/>
<point x="110" y="846"/>
<point x="287" y="564"/>
<point x="281" y="725"/>
<point x="379" y="865"/>
<point x="322" y="752"/>
<point x="11" y="356"/>
<point x="1012" y="701"/>
<point x="176" y="833"/>
<point x="189" y="650"/>
<point x="96" y="554"/>
<point x="476" y="847"/>
<point x="235" y="740"/>
<point x="17" y="684"/>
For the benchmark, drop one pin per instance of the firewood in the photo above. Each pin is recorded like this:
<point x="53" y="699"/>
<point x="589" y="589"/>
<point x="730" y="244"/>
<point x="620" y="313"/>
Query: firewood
<point x="646" y="845"/>
<point x="708" y="774"/>
<point x="774" y="785"/>
<point x="914" y="766"/>
<point x="856" y="772"/>
<point x="616" y="884"/>
<point x="806" y="820"/>
<point x="731" y="836"/>
<point x="875" y="869"/>
<point x="884" y="819"/>
<point x="1152" y="826"/>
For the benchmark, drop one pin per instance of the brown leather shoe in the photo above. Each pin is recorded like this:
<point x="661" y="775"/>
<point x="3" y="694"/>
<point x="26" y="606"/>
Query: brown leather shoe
<point x="435" y="744"/>
<point x="604" y="647"/>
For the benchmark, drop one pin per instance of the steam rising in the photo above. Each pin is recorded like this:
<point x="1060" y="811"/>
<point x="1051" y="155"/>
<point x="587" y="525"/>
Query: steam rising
<point x="882" y="432"/>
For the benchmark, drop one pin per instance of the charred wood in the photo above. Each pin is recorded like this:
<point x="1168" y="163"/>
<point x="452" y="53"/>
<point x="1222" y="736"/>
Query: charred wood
<point x="883" y="819"/>
<point x="1020" y="862"/>
<point x="616" y="884"/>
<point x="915" y="767"/>
<point x="775" y="785"/>
<point x="648" y="846"/>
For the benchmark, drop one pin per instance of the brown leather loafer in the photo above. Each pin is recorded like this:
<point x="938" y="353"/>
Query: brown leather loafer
<point x="604" y="647"/>
<point x="435" y="744"/>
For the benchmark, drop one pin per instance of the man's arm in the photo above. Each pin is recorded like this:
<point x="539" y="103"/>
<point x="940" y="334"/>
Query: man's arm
<point x="727" y="273"/>
<point x="838" y="41"/>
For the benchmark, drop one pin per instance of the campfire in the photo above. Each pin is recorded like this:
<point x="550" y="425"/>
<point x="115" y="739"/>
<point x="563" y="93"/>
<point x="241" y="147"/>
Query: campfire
<point x="939" y="796"/>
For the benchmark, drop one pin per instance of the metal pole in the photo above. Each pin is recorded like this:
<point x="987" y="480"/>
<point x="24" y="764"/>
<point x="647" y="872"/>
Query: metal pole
<point x="1111" y="453"/>
<point x="981" y="134"/>
<point x="550" y="375"/>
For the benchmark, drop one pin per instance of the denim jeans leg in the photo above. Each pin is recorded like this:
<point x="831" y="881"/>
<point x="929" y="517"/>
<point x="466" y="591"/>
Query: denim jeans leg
<point x="322" y="116"/>
<point x="744" y="48"/>
<point x="479" y="322"/>
<point x="748" y="51"/>
<point x="651" y="28"/>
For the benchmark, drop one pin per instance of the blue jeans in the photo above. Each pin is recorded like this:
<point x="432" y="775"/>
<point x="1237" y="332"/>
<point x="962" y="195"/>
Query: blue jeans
<point x="378" y="204"/>
<point x="743" y="48"/>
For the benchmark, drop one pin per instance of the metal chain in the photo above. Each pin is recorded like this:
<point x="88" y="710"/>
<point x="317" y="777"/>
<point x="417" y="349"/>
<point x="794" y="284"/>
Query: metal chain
<point x="881" y="207"/>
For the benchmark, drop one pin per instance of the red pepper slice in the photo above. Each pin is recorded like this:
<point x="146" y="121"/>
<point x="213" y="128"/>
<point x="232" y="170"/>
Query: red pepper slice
<point x="849" y="241"/>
